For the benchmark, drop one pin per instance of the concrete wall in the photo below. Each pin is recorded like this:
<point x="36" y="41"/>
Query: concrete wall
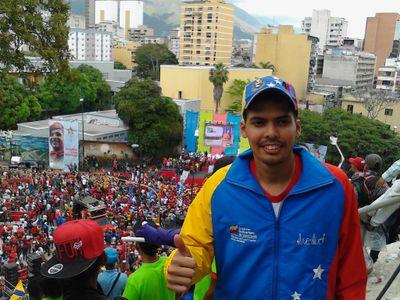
<point x="340" y="67"/>
<point x="194" y="84"/>
<point x="289" y="53"/>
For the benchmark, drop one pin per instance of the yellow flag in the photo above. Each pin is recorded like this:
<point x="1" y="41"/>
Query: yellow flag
<point x="18" y="292"/>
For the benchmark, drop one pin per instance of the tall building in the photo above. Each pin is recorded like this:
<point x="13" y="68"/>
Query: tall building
<point x="113" y="27"/>
<point x="380" y="36"/>
<point x="76" y="21"/>
<point x="89" y="13"/>
<point x="206" y="32"/>
<point x="90" y="44"/>
<point x="329" y="30"/>
<point x="389" y="75"/>
<point x="355" y="69"/>
<point x="174" y="41"/>
<point x="128" y="13"/>
<point x="290" y="54"/>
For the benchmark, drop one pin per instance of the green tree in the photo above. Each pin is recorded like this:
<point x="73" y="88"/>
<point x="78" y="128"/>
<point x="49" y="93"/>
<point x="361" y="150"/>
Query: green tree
<point x="267" y="65"/>
<point x="119" y="65"/>
<point x="39" y="25"/>
<point x="150" y="57"/>
<point x="154" y="121"/>
<point x="218" y="77"/>
<point x="103" y="89"/>
<point x="60" y="92"/>
<point x="17" y="103"/>
<point x="358" y="135"/>
<point x="236" y="91"/>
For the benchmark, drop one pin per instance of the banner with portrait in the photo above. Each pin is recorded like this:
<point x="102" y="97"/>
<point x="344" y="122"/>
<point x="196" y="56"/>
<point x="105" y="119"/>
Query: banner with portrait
<point x="318" y="151"/>
<point x="63" y="145"/>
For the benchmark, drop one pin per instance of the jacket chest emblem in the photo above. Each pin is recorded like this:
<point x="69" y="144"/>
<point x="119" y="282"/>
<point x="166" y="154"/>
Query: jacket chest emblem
<point x="242" y="234"/>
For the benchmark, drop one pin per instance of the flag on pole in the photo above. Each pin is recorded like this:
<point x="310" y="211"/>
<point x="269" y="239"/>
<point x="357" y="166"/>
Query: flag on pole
<point x="18" y="292"/>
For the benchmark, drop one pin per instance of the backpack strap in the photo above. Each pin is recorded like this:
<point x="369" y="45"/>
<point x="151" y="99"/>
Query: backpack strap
<point x="113" y="285"/>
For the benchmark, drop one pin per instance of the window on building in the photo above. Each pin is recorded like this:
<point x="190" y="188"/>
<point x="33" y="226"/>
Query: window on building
<point x="208" y="34"/>
<point x="388" y="112"/>
<point x="350" y="108"/>
<point x="180" y="95"/>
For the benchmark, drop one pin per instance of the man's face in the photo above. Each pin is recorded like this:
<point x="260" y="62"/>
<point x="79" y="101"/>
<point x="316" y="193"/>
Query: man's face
<point x="271" y="129"/>
<point x="56" y="139"/>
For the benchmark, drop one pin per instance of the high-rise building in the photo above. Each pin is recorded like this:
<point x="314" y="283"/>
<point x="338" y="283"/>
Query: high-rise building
<point x="113" y="27"/>
<point x="329" y="30"/>
<point x="355" y="69"/>
<point x="288" y="52"/>
<point x="389" y="75"/>
<point x="89" y="13"/>
<point x="380" y="36"/>
<point x="76" y="21"/>
<point x="90" y="44"/>
<point x="128" y="13"/>
<point x="206" y="32"/>
<point x="174" y="41"/>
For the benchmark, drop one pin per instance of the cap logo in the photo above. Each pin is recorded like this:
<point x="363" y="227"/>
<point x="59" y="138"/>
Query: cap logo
<point x="258" y="83"/>
<point x="55" y="269"/>
<point x="70" y="250"/>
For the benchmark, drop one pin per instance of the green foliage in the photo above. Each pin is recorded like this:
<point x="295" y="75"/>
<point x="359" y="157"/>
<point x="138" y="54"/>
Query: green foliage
<point x="17" y="104"/>
<point x="218" y="77"/>
<point x="60" y="93"/>
<point x="236" y="91"/>
<point x="149" y="58"/>
<point x="267" y="65"/>
<point x="38" y="24"/>
<point x="358" y="135"/>
<point x="119" y="65"/>
<point x="154" y="121"/>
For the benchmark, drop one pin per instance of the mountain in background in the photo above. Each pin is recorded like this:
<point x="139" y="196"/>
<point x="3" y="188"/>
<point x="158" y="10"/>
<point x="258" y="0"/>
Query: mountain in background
<point x="163" y="15"/>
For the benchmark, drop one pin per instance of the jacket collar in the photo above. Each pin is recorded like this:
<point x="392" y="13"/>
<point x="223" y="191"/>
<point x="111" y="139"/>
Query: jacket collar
<point x="313" y="173"/>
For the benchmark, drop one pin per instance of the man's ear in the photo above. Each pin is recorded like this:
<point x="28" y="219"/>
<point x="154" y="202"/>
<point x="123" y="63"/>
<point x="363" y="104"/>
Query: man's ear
<point x="243" y="129"/>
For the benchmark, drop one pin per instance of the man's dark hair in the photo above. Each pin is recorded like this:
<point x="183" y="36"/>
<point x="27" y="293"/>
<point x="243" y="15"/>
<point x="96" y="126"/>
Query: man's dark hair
<point x="271" y="97"/>
<point x="147" y="248"/>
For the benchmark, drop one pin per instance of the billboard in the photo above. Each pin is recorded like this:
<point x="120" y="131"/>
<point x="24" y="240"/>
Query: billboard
<point x="218" y="135"/>
<point x="63" y="145"/>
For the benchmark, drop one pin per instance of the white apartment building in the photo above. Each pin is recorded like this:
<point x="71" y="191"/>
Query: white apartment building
<point x="113" y="27"/>
<point x="329" y="30"/>
<point x="174" y="41"/>
<point x="128" y="13"/>
<point x="76" y="21"/>
<point x="389" y="75"/>
<point x="90" y="44"/>
<point x="355" y="69"/>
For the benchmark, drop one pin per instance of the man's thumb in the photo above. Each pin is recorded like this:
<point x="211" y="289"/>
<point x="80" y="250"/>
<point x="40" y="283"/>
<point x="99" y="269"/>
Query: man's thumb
<point x="180" y="245"/>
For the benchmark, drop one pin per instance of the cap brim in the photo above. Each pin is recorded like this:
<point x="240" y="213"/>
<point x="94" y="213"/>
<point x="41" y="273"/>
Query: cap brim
<point x="55" y="269"/>
<point x="271" y="91"/>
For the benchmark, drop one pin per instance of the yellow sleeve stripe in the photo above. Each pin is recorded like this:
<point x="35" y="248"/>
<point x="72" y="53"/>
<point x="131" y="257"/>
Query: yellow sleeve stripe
<point x="197" y="229"/>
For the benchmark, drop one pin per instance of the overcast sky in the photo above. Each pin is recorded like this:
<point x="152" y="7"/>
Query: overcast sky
<point x="355" y="11"/>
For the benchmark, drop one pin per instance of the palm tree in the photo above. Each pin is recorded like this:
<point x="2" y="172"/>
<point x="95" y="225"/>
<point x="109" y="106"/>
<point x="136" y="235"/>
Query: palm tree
<point x="267" y="65"/>
<point x="218" y="76"/>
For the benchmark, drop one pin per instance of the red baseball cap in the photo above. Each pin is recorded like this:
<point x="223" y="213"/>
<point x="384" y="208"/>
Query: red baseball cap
<point x="78" y="245"/>
<point x="358" y="162"/>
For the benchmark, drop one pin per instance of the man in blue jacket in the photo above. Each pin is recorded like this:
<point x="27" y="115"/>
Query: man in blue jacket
<point x="280" y="224"/>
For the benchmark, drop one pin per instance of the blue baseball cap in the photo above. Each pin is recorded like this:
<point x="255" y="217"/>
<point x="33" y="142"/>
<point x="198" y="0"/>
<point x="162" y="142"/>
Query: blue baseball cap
<point x="270" y="84"/>
<point x="112" y="255"/>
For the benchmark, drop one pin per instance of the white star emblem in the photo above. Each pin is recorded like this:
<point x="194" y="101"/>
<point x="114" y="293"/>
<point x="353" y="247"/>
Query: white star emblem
<point x="271" y="85"/>
<point x="318" y="272"/>
<point x="296" y="296"/>
<point x="278" y="82"/>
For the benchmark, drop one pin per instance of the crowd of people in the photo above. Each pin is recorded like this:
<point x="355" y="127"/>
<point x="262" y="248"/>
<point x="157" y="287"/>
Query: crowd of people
<point x="34" y="203"/>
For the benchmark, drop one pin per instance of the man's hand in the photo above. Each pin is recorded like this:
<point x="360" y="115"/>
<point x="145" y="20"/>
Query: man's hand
<point x="181" y="269"/>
